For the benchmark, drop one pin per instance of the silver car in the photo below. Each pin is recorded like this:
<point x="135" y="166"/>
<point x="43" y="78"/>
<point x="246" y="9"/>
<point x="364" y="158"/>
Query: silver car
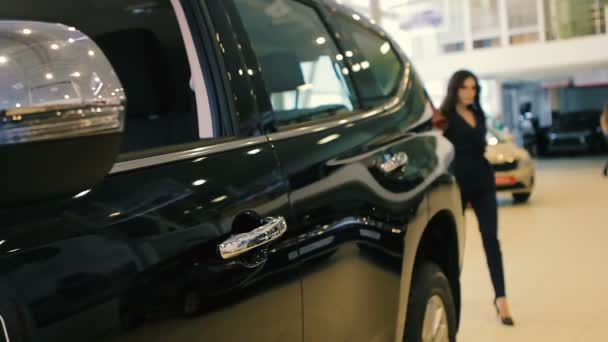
<point x="512" y="164"/>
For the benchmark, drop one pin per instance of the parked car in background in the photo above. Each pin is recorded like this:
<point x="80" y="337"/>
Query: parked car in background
<point x="576" y="132"/>
<point x="513" y="166"/>
<point x="219" y="170"/>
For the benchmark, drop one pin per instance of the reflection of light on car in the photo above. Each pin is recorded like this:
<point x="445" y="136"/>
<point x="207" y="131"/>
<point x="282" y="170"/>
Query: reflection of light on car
<point x="385" y="48"/>
<point x="115" y="214"/>
<point x="81" y="194"/>
<point x="493" y="141"/>
<point x="219" y="199"/>
<point x="91" y="53"/>
<point x="49" y="76"/>
<point x="254" y="151"/>
<point x="328" y="139"/>
<point x="356" y="17"/>
<point x="3" y="59"/>
<point x="27" y="31"/>
<point x="199" y="182"/>
<point x="2" y="242"/>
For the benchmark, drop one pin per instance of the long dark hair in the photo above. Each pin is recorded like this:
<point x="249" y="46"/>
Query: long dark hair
<point x="449" y="103"/>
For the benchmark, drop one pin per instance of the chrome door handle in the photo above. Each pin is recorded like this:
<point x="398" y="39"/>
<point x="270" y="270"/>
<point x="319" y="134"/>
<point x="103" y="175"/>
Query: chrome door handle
<point x="394" y="162"/>
<point x="236" y="245"/>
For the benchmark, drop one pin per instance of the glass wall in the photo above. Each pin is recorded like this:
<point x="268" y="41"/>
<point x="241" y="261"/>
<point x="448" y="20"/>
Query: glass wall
<point x="485" y="23"/>
<point x="523" y="21"/>
<point x="574" y="18"/>
<point x="428" y="28"/>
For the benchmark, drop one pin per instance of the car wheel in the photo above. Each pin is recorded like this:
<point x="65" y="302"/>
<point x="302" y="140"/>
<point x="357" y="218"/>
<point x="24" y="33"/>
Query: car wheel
<point x="521" y="198"/>
<point x="431" y="314"/>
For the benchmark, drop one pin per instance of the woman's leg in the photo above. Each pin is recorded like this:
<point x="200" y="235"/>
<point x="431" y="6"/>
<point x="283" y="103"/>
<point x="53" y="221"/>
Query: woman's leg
<point x="486" y="210"/>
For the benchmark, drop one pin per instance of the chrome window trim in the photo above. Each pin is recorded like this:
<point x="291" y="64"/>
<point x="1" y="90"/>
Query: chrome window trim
<point x="193" y="153"/>
<point x="203" y="105"/>
<point x="390" y="107"/>
<point x="8" y="339"/>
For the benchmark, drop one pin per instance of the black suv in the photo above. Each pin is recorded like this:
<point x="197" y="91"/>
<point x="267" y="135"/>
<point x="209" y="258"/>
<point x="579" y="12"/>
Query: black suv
<point x="219" y="170"/>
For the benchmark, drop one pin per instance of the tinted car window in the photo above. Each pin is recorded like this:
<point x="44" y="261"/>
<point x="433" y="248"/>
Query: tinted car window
<point x="302" y="69"/>
<point x="375" y="65"/>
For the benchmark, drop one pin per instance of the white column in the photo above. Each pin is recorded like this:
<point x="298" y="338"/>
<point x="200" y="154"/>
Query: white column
<point x="503" y="16"/>
<point x="376" y="10"/>
<point x="540" y="15"/>
<point x="606" y="18"/>
<point x="468" y="26"/>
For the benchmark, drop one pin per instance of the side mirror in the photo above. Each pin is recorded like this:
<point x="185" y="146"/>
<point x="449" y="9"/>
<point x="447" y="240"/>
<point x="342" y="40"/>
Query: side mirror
<point x="61" y="112"/>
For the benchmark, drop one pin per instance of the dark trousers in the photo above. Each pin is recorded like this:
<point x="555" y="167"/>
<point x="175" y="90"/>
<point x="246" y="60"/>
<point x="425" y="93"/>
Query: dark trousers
<point x="483" y="201"/>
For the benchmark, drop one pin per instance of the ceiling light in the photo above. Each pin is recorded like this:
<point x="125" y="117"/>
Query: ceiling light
<point x="321" y="40"/>
<point x="49" y="76"/>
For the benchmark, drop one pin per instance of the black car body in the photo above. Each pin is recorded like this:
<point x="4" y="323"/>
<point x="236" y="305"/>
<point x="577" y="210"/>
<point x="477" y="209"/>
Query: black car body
<point x="576" y="132"/>
<point x="326" y="145"/>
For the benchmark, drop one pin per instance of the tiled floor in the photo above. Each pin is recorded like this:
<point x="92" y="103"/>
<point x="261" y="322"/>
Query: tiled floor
<point x="556" y="251"/>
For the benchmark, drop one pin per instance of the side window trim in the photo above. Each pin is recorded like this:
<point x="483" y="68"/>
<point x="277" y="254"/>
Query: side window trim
<point x="191" y="153"/>
<point x="203" y="106"/>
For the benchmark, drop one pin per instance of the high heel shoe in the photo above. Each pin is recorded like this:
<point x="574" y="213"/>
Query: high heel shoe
<point x="505" y="320"/>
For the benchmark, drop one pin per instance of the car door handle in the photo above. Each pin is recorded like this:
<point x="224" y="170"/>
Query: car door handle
<point x="236" y="245"/>
<point x="393" y="163"/>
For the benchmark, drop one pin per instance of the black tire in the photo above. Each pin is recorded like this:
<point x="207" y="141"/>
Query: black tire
<point x="521" y="198"/>
<point x="429" y="282"/>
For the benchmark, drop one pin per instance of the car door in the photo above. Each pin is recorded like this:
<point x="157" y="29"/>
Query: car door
<point x="176" y="243"/>
<point x="352" y="132"/>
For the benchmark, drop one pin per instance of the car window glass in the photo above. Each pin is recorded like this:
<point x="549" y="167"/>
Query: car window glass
<point x="303" y="71"/>
<point x="375" y="65"/>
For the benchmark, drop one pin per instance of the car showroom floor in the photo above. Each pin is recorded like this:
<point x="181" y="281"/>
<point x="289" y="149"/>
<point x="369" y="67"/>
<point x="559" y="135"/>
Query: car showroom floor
<point x="555" y="250"/>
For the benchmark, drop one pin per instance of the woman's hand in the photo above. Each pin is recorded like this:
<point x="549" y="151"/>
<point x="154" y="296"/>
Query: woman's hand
<point x="439" y="120"/>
